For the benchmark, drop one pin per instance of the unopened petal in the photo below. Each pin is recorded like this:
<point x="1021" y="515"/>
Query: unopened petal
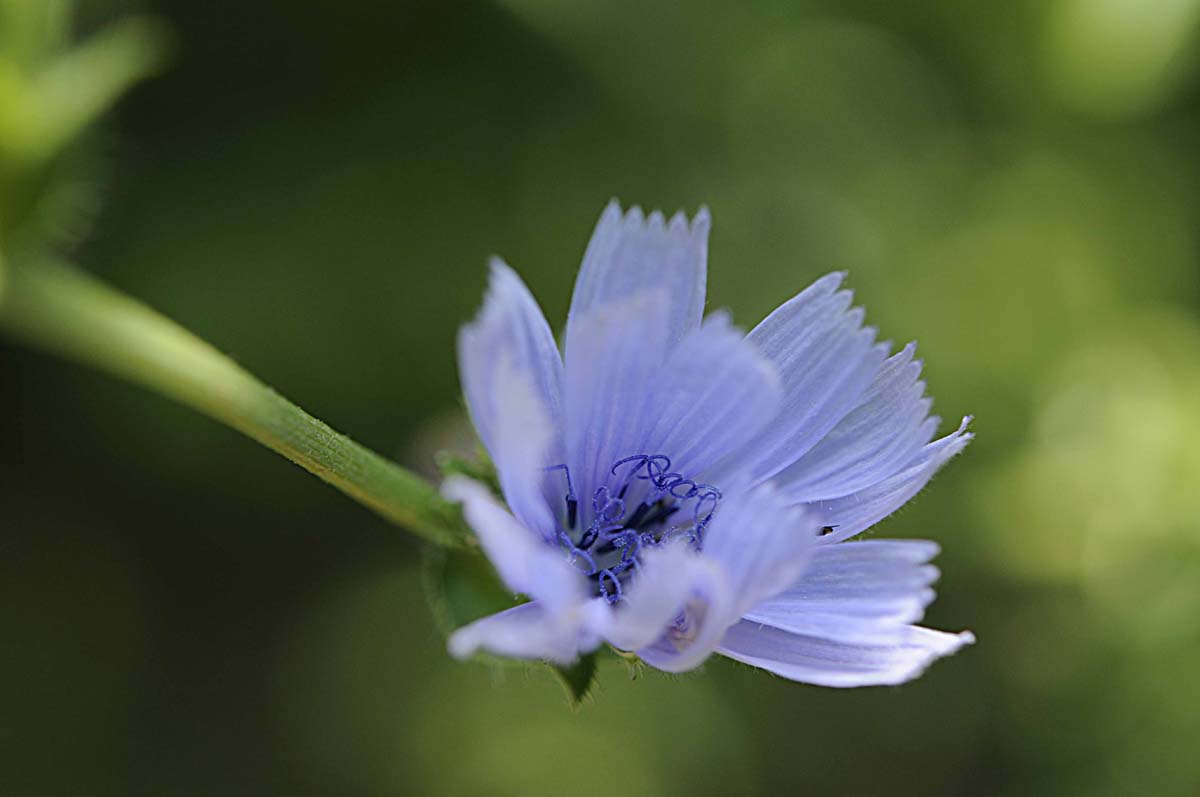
<point x="703" y="620"/>
<point x="667" y="578"/>
<point x="528" y="631"/>
<point x="755" y="546"/>
<point x="523" y="560"/>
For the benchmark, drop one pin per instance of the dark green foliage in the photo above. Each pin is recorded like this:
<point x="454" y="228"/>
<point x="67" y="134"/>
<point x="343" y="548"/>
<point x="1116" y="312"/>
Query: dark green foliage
<point x="578" y="678"/>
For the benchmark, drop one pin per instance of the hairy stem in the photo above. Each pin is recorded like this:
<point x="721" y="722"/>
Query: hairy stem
<point x="68" y="312"/>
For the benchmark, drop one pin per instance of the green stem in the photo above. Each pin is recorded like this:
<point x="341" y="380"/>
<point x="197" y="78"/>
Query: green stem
<point x="66" y="311"/>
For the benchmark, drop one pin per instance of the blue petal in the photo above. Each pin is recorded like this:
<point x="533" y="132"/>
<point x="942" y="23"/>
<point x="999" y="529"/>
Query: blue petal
<point x="524" y="561"/>
<point x="762" y="543"/>
<point x="755" y="546"/>
<point x="819" y="661"/>
<point x="856" y="592"/>
<point x="853" y="513"/>
<point x="847" y="621"/>
<point x="702" y="620"/>
<point x="714" y="394"/>
<point x="640" y="291"/>
<point x="667" y="579"/>
<point x="631" y="255"/>
<point x="523" y="443"/>
<point x="879" y="437"/>
<point x="614" y="356"/>
<point x="512" y="379"/>
<point x="826" y="359"/>
<point x="528" y="631"/>
<point x="706" y="397"/>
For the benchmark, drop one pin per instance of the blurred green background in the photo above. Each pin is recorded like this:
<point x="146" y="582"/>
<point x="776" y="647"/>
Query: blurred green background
<point x="314" y="187"/>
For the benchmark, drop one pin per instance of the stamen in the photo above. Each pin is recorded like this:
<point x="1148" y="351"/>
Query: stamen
<point x="608" y="580"/>
<point x="628" y="541"/>
<point x="611" y="543"/>
<point x="638" y="515"/>
<point x="661" y="513"/>
<point x="589" y="538"/>
<point x="572" y="503"/>
<point x="607" y="509"/>
<point x="576" y="555"/>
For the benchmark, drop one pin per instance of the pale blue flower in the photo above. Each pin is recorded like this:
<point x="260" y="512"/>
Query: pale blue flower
<point x="678" y="488"/>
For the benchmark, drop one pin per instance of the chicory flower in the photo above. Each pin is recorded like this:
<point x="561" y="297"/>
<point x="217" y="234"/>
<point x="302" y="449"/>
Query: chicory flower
<point x="676" y="488"/>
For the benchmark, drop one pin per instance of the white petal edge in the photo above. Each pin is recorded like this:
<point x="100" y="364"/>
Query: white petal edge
<point x="879" y="437"/>
<point x="854" y="513"/>
<point x="632" y="254"/>
<point x="825" y="358"/>
<point x="528" y="631"/>
<point x="847" y="620"/>
<point x="825" y="663"/>
<point x="856" y="592"/>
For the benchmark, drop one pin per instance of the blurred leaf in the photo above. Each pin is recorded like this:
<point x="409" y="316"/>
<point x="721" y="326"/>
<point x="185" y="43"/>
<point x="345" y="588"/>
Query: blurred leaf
<point x="56" y="102"/>
<point x="1118" y="58"/>
<point x="1115" y="447"/>
<point x="48" y="97"/>
<point x="31" y="30"/>
<point x="82" y="84"/>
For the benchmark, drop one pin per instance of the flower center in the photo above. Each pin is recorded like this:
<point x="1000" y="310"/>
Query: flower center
<point x="646" y="506"/>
